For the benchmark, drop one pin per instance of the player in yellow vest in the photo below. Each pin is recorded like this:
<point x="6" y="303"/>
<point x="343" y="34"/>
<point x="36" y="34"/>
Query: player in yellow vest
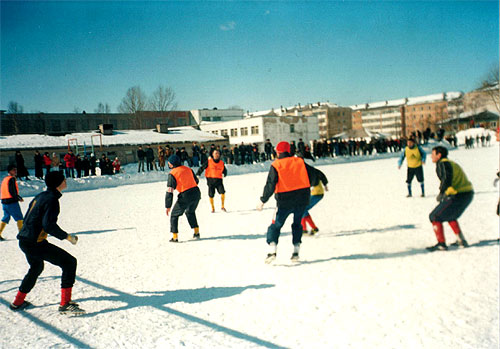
<point x="415" y="158"/>
<point x="10" y="200"/>
<point x="455" y="194"/>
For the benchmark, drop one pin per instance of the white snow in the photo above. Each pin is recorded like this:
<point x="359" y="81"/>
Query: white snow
<point x="364" y="282"/>
<point x="174" y="135"/>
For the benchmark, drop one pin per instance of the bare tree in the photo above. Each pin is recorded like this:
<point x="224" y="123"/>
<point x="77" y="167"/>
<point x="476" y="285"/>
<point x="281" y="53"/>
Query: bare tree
<point x="163" y="100"/>
<point x="103" y="108"/>
<point x="15" y="108"/>
<point x="134" y="101"/>
<point x="490" y="86"/>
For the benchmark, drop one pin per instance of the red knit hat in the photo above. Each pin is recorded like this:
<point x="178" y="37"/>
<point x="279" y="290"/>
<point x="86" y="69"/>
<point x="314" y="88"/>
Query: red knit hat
<point x="283" y="147"/>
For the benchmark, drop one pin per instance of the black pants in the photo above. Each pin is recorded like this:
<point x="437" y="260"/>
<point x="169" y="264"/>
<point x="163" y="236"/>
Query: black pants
<point x="37" y="253"/>
<point x="215" y="183"/>
<point x="451" y="208"/>
<point x="418" y="171"/>
<point x="179" y="208"/>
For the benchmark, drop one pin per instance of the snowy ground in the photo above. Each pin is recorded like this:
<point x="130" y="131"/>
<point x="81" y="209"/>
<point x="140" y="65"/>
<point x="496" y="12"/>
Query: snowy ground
<point x="365" y="281"/>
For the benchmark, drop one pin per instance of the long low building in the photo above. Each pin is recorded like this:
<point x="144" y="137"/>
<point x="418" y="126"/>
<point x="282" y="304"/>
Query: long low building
<point x="122" y="143"/>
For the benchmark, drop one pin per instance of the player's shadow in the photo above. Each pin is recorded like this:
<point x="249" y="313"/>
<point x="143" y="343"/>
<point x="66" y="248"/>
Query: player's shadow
<point x="407" y="253"/>
<point x="90" y="232"/>
<point x="365" y="231"/>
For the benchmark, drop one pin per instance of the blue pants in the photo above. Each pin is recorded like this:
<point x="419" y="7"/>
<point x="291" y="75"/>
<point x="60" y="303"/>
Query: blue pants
<point x="313" y="200"/>
<point x="273" y="232"/>
<point x="12" y="210"/>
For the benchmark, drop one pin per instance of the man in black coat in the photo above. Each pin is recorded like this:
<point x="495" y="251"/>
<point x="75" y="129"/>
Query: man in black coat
<point x="39" y="222"/>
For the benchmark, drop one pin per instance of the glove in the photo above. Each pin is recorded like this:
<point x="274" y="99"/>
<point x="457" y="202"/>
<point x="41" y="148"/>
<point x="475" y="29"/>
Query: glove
<point x="260" y="206"/>
<point x="72" y="238"/>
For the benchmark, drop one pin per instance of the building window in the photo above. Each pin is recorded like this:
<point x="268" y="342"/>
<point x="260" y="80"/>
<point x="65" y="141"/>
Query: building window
<point x="223" y="132"/>
<point x="292" y="128"/>
<point x="244" y="131"/>
<point x="234" y="132"/>
<point x="215" y="132"/>
<point x="255" y="130"/>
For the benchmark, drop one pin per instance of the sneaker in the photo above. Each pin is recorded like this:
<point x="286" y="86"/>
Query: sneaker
<point x="223" y="209"/>
<point x="71" y="308"/>
<point x="408" y="196"/>
<point x="314" y="231"/>
<point x="270" y="257"/>
<point x="422" y="195"/>
<point x="196" y="236"/>
<point x="460" y="244"/>
<point x="23" y="305"/>
<point x="213" y="210"/>
<point x="2" y="239"/>
<point x="174" y="240"/>
<point x="441" y="246"/>
<point x="295" y="256"/>
<point x="304" y="232"/>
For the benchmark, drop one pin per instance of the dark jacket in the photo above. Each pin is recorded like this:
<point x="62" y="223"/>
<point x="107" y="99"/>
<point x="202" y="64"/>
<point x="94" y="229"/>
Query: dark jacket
<point x="293" y="198"/>
<point x="184" y="197"/>
<point x="41" y="218"/>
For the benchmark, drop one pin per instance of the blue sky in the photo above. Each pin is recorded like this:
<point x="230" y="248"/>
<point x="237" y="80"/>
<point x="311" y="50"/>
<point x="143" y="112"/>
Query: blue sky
<point x="58" y="56"/>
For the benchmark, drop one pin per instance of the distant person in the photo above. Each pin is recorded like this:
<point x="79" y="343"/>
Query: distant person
<point x="116" y="165"/>
<point x="22" y="171"/>
<point x="56" y="162"/>
<point x="415" y="158"/>
<point x="455" y="194"/>
<point x="70" y="161"/>
<point x="10" y="200"/>
<point x="47" y="161"/>
<point x="39" y="164"/>
<point x="184" y="180"/>
<point x="141" y="155"/>
<point x="93" y="164"/>
<point x="40" y="221"/>
<point x="268" y="149"/>
<point x="150" y="158"/>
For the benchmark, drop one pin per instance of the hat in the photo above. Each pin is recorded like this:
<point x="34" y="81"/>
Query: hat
<point x="54" y="179"/>
<point x="11" y="167"/>
<point x="412" y="138"/>
<point x="283" y="147"/>
<point x="174" y="160"/>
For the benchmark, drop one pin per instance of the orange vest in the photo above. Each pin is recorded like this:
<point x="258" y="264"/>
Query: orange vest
<point x="292" y="174"/>
<point x="5" y="188"/>
<point x="214" y="169"/>
<point x="184" y="178"/>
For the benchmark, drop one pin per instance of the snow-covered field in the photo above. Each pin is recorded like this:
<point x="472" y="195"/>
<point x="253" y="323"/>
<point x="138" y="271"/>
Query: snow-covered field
<point x="365" y="281"/>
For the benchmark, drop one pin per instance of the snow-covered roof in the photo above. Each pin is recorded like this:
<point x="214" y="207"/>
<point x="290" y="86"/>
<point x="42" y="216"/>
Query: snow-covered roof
<point x="174" y="135"/>
<point x="391" y="103"/>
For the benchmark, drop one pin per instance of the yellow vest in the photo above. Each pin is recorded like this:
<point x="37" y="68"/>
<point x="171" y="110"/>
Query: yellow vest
<point x="317" y="189"/>
<point x="413" y="157"/>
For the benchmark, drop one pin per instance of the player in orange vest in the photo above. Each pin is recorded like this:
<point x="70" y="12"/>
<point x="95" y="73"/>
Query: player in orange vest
<point x="10" y="200"/>
<point x="290" y="179"/>
<point x="214" y="171"/>
<point x="185" y="181"/>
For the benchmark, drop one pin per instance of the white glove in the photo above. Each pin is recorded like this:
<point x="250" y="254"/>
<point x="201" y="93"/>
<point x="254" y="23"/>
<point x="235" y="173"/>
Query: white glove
<point x="72" y="238"/>
<point x="260" y="206"/>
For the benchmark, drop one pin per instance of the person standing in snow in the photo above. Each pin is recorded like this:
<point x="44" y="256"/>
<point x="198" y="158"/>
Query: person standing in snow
<point x="141" y="155"/>
<point x="415" y="157"/>
<point x="214" y="171"/>
<point x="290" y="179"/>
<point x="185" y="181"/>
<point x="317" y="193"/>
<point x="22" y="171"/>
<point x="38" y="165"/>
<point x="10" y="200"/>
<point x="455" y="194"/>
<point x="39" y="221"/>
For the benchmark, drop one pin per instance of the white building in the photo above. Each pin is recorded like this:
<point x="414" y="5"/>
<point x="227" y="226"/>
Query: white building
<point x="261" y="126"/>
<point x="204" y="115"/>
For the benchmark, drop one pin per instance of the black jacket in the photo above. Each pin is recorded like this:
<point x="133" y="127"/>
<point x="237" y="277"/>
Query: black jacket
<point x="41" y="217"/>
<point x="299" y="197"/>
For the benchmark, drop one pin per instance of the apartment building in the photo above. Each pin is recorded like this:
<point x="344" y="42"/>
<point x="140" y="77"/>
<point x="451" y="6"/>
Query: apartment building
<point x="259" y="126"/>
